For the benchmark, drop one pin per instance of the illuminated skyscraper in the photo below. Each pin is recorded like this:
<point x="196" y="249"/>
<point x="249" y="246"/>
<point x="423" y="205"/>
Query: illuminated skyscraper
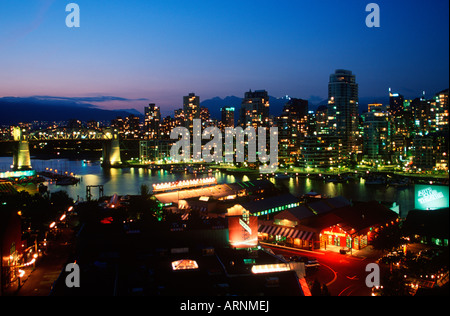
<point x="292" y="127"/>
<point x="440" y="107"/>
<point x="191" y="109"/>
<point x="395" y="103"/>
<point x="152" y="121"/>
<point x="343" y="112"/>
<point x="255" y="109"/>
<point x="377" y="135"/>
<point x="227" y="116"/>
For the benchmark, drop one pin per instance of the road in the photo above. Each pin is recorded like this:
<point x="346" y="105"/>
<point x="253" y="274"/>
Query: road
<point x="344" y="275"/>
<point x="49" y="267"/>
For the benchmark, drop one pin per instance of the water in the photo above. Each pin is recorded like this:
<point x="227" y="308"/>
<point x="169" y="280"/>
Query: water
<point x="129" y="180"/>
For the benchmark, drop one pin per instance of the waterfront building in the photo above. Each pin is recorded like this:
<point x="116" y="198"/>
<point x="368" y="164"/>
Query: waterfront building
<point x="439" y="105"/>
<point x="376" y="135"/>
<point x="343" y="112"/>
<point x="334" y="222"/>
<point x="423" y="152"/>
<point x="422" y="115"/>
<point x="292" y="128"/>
<point x="440" y="150"/>
<point x="319" y="148"/>
<point x="154" y="150"/>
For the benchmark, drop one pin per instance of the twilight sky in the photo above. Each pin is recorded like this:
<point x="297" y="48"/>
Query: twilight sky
<point x="161" y="50"/>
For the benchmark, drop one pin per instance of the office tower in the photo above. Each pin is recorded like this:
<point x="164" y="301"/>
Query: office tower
<point x="375" y="106"/>
<point x="395" y="103"/>
<point x="131" y="127"/>
<point x="117" y="125"/>
<point x="421" y="109"/>
<point x="191" y="109"/>
<point x="227" y="116"/>
<point x="152" y="120"/>
<point x="318" y="149"/>
<point x="204" y="115"/>
<point x="343" y="112"/>
<point x="255" y="109"/>
<point x="423" y="152"/>
<point x="377" y="135"/>
<point x="440" y="107"/>
<point x="292" y="127"/>
<point x="400" y="113"/>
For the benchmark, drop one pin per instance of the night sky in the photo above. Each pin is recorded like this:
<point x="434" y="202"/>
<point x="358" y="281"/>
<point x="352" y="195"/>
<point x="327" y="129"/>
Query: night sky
<point x="162" y="50"/>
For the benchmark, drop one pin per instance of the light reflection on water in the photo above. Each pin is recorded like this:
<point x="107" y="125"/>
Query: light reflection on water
<point x="129" y="180"/>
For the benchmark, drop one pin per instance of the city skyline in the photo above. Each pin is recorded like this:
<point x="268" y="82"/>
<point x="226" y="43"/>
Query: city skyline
<point x="238" y="149"/>
<point x="151" y="51"/>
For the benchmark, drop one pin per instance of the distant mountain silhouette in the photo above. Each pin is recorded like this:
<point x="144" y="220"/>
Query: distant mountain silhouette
<point x="15" y="110"/>
<point x="276" y="104"/>
<point x="215" y="104"/>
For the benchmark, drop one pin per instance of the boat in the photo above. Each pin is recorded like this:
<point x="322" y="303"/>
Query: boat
<point x="67" y="181"/>
<point x="399" y="183"/>
<point x="375" y="181"/>
<point x="312" y="195"/>
<point x="282" y="176"/>
<point x="336" y="179"/>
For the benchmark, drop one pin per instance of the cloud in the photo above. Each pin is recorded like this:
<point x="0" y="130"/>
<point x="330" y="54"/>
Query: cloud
<point x="97" y="99"/>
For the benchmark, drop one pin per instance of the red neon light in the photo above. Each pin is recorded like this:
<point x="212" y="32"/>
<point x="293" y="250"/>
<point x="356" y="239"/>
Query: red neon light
<point x="304" y="287"/>
<point x="243" y="236"/>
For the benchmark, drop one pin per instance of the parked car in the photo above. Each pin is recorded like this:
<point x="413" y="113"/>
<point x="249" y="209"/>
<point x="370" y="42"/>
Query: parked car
<point x="309" y="262"/>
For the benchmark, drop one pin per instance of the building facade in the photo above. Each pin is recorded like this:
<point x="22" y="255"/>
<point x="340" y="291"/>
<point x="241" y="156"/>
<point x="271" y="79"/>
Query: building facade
<point x="343" y="112"/>
<point x="255" y="109"/>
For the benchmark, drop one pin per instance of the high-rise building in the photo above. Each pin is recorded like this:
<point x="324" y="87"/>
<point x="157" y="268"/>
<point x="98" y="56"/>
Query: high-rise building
<point x="167" y="125"/>
<point x="319" y="148"/>
<point x="191" y="109"/>
<point x="152" y="120"/>
<point x="423" y="152"/>
<point x="395" y="104"/>
<point x="422" y="116"/>
<point x="204" y="115"/>
<point x="440" y="108"/>
<point x="132" y="127"/>
<point x="377" y="135"/>
<point x="292" y="127"/>
<point x="227" y="116"/>
<point x="255" y="109"/>
<point x="343" y="112"/>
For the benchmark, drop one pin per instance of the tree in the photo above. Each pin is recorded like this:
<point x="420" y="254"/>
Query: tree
<point x="145" y="191"/>
<point x="388" y="238"/>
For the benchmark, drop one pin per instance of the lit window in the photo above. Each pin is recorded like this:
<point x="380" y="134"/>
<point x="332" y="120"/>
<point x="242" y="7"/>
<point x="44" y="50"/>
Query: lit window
<point x="184" y="264"/>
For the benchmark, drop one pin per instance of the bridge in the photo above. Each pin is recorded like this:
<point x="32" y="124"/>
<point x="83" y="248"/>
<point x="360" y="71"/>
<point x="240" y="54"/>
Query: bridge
<point x="21" y="151"/>
<point x="69" y="134"/>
